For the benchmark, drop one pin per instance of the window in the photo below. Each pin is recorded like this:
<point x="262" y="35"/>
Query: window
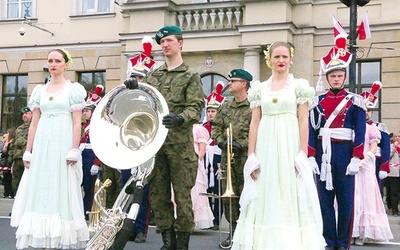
<point x="97" y="6"/>
<point x="14" y="98"/>
<point x="89" y="80"/>
<point x="19" y="8"/>
<point x="366" y="73"/>
<point x="209" y="82"/>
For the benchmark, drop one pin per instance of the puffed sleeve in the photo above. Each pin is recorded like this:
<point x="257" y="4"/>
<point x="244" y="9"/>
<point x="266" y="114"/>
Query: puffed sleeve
<point x="254" y="94"/>
<point x="374" y="134"/>
<point x="77" y="97"/>
<point x="304" y="93"/>
<point x="201" y="134"/>
<point x="34" y="101"/>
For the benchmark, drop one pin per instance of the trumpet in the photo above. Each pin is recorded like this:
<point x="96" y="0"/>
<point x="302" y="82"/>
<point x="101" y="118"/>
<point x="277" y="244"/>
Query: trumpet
<point x="229" y="193"/>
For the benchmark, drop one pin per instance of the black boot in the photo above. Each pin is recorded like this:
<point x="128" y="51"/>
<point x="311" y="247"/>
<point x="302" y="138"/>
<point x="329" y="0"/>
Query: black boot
<point x="228" y="242"/>
<point x="169" y="239"/>
<point x="182" y="240"/>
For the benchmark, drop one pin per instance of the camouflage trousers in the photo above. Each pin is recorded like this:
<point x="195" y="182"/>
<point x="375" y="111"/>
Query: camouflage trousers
<point x="18" y="170"/>
<point x="237" y="186"/>
<point x="175" y="166"/>
<point x="112" y="191"/>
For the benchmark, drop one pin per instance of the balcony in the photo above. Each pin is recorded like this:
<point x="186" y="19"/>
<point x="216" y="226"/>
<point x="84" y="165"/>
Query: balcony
<point x="209" y="16"/>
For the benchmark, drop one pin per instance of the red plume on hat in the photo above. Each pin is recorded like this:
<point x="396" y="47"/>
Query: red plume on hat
<point x="338" y="57"/>
<point x="94" y="98"/>
<point x="215" y="99"/>
<point x="371" y="98"/>
<point x="142" y="63"/>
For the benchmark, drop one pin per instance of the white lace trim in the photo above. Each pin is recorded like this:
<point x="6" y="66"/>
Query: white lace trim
<point x="58" y="92"/>
<point x="283" y="89"/>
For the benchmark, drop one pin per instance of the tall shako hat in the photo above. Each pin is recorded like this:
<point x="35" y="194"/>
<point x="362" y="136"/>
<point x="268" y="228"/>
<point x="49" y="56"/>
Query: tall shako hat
<point x="215" y="99"/>
<point x="94" y="98"/>
<point x="371" y="98"/>
<point x="337" y="58"/>
<point x="142" y="63"/>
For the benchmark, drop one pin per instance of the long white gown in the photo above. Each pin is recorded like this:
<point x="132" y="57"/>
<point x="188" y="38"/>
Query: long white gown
<point x="48" y="208"/>
<point x="282" y="215"/>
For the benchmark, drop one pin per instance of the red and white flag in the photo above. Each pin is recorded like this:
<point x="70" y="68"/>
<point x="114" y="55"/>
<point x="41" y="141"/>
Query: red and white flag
<point x="337" y="28"/>
<point x="364" y="31"/>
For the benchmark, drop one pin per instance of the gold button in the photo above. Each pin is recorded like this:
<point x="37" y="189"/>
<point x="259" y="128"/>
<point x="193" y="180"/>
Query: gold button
<point x="274" y="100"/>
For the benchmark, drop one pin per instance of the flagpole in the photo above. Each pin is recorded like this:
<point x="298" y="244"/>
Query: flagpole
<point x="353" y="46"/>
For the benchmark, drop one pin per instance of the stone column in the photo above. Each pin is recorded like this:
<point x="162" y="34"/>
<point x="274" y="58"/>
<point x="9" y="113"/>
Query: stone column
<point x="252" y="61"/>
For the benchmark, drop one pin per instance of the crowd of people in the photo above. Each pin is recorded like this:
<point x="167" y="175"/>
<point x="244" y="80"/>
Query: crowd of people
<point x="312" y="167"/>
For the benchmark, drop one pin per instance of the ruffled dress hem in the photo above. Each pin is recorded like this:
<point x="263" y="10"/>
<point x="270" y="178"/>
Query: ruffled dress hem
<point x="39" y="231"/>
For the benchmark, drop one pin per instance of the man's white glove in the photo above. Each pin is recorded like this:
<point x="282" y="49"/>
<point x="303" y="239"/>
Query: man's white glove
<point x="313" y="165"/>
<point x="95" y="169"/>
<point x="27" y="156"/>
<point x="134" y="170"/>
<point x="382" y="174"/>
<point x="74" y="155"/>
<point x="354" y="166"/>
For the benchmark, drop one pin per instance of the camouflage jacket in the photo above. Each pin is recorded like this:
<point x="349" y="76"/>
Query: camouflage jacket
<point x="183" y="92"/>
<point x="20" y="139"/>
<point x="239" y="115"/>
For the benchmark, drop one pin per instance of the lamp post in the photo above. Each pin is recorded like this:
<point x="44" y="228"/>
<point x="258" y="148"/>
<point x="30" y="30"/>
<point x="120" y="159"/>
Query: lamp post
<point x="353" y="39"/>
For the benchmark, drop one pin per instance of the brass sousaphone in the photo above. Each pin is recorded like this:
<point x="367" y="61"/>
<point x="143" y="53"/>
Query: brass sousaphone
<point x="126" y="131"/>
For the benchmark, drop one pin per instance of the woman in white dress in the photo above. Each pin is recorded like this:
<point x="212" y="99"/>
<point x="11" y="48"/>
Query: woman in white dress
<point x="48" y="209"/>
<point x="279" y="202"/>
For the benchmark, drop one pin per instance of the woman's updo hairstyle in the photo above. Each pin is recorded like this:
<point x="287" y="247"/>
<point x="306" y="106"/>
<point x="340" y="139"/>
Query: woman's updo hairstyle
<point x="271" y="48"/>
<point x="66" y="55"/>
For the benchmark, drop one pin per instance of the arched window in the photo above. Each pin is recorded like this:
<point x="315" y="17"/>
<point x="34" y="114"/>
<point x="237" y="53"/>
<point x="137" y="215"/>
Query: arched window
<point x="209" y="80"/>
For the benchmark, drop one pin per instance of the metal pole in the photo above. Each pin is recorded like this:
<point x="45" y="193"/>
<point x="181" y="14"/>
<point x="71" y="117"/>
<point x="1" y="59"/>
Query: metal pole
<point x="353" y="45"/>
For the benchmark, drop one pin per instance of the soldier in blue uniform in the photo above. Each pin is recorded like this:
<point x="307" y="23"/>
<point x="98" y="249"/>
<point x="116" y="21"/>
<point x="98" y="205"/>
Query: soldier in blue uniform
<point x="383" y="150"/>
<point x="90" y="163"/>
<point x="336" y="143"/>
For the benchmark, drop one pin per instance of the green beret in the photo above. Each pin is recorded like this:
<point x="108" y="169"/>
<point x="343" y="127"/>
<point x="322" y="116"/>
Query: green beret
<point x="25" y="110"/>
<point x="241" y="73"/>
<point x="167" y="31"/>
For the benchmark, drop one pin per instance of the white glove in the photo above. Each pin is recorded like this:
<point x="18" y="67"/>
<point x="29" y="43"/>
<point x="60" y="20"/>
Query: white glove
<point x="27" y="156"/>
<point x="354" y="166"/>
<point x="251" y="164"/>
<point x="74" y="155"/>
<point x="134" y="170"/>
<point x="313" y="165"/>
<point x="382" y="174"/>
<point x="94" y="170"/>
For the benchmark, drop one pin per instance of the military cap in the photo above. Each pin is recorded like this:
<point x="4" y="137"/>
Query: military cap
<point x="167" y="31"/>
<point x="25" y="110"/>
<point x="241" y="73"/>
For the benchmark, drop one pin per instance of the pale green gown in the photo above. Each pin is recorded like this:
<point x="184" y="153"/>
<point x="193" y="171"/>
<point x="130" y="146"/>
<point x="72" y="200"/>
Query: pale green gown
<point x="48" y="209"/>
<point x="278" y="218"/>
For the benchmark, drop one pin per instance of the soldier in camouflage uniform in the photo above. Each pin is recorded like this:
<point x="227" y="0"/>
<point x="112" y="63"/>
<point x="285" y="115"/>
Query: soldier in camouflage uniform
<point x="238" y="113"/>
<point x="176" y="161"/>
<point x="21" y="136"/>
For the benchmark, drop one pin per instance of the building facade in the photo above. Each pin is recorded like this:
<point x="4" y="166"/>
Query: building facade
<point x="218" y="36"/>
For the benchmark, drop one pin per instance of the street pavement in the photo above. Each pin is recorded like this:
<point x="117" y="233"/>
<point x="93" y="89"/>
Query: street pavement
<point x="200" y="239"/>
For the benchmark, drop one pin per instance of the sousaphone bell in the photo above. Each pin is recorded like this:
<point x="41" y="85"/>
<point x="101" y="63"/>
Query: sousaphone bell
<point x="126" y="127"/>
